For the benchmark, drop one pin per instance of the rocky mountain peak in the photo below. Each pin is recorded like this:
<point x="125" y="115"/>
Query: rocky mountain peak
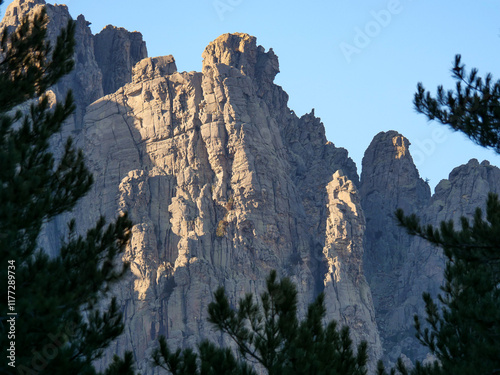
<point x="153" y="67"/>
<point x="399" y="267"/>
<point x="116" y="51"/>
<point x="224" y="182"/>
<point x="465" y="189"/>
<point x="387" y="146"/>
<point x="390" y="180"/>
<point x="16" y="11"/>
<point x="240" y="51"/>
<point x="388" y="166"/>
<point x="103" y="62"/>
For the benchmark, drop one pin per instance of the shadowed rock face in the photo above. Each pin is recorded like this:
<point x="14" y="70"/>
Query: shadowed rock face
<point x="86" y="79"/>
<point x="103" y="62"/>
<point x="399" y="268"/>
<point x="117" y="51"/>
<point x="390" y="181"/>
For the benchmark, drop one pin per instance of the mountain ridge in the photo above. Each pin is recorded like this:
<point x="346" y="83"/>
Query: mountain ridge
<point x="224" y="183"/>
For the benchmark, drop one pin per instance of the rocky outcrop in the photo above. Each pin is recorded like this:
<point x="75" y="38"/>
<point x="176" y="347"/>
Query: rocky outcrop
<point x="399" y="268"/>
<point x="85" y="80"/>
<point x="465" y="189"/>
<point x="348" y="296"/>
<point x="110" y="54"/>
<point x="390" y="180"/>
<point x="116" y="52"/>
<point x="219" y="181"/>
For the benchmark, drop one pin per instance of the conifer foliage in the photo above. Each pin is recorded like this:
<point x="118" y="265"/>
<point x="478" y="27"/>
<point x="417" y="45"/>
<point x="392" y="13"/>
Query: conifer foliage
<point x="472" y="108"/>
<point x="269" y="335"/>
<point x="49" y="322"/>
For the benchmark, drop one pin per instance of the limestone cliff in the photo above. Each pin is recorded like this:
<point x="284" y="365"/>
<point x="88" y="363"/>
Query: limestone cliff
<point x="399" y="268"/>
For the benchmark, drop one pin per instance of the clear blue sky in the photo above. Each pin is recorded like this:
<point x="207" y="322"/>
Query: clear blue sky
<point x="357" y="86"/>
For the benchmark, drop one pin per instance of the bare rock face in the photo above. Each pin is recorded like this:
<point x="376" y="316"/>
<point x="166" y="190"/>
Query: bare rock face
<point x="85" y="80"/>
<point x="399" y="268"/>
<point x="217" y="176"/>
<point x="17" y="10"/>
<point x="465" y="189"/>
<point x="103" y="63"/>
<point x="389" y="181"/>
<point x="117" y="51"/>
<point x="343" y="252"/>
<point x="153" y="67"/>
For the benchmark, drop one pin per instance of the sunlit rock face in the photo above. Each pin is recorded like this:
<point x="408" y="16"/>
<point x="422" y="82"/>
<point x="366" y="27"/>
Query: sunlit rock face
<point x="216" y="177"/>
<point x="223" y="183"/>
<point x="399" y="268"/>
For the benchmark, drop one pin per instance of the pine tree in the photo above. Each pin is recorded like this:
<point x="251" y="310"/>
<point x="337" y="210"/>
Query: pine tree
<point x="473" y="108"/>
<point x="269" y="335"/>
<point x="462" y="328"/>
<point x="49" y="320"/>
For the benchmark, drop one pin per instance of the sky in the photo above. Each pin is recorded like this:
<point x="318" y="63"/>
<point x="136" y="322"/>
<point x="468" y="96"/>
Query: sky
<point x="357" y="63"/>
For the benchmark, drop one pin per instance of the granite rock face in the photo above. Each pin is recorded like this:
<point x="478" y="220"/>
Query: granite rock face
<point x="116" y="52"/>
<point x="223" y="182"/>
<point x="465" y="189"/>
<point x="389" y="181"/>
<point x="85" y="80"/>
<point x="399" y="268"/>
<point x="214" y="173"/>
<point x="110" y="54"/>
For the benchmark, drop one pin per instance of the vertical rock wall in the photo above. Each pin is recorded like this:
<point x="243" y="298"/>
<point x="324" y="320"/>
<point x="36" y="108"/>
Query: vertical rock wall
<point x="116" y="52"/>
<point x="399" y="267"/>
<point x="209" y="166"/>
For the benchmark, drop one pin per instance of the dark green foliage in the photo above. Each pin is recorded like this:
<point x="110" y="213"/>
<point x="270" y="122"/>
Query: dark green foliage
<point x="25" y="69"/>
<point x="269" y="335"/>
<point x="211" y="360"/>
<point x="463" y="330"/>
<point x="121" y="366"/>
<point x="473" y="108"/>
<point x="58" y="329"/>
<point x="34" y="189"/>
